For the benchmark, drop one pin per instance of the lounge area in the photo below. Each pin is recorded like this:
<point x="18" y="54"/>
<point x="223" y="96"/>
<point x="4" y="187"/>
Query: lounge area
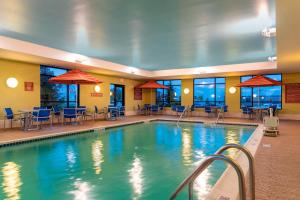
<point x="161" y="100"/>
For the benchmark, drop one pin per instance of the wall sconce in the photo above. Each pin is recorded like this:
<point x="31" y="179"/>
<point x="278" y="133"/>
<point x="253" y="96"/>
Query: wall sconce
<point x="97" y="88"/>
<point x="186" y="90"/>
<point x="232" y="90"/>
<point x="12" y="82"/>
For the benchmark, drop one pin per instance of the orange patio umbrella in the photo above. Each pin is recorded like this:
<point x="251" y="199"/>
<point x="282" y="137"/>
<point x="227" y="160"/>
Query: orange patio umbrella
<point x="152" y="85"/>
<point x="259" y="81"/>
<point x="75" y="76"/>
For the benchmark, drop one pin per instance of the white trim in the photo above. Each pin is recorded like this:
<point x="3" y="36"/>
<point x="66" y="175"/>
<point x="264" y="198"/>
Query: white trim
<point x="40" y="51"/>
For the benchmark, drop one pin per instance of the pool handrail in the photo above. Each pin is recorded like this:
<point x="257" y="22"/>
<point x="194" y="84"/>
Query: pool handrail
<point x="203" y="165"/>
<point x="251" y="164"/>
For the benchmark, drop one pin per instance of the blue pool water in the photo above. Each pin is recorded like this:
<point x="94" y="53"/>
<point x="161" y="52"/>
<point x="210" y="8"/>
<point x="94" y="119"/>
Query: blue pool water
<point x="142" y="161"/>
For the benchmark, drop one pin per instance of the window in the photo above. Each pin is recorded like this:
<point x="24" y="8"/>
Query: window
<point x="117" y="95"/>
<point x="209" y="91"/>
<point x="171" y="96"/>
<point x="61" y="95"/>
<point x="262" y="96"/>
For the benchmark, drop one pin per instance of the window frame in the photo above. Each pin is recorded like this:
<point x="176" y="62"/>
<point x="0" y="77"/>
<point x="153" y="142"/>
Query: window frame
<point x="215" y="90"/>
<point x="252" y="89"/>
<point x="170" y="103"/>
<point x="68" y="102"/>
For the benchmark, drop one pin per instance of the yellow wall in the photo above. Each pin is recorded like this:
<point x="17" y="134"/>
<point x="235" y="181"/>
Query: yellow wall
<point x="17" y="98"/>
<point x="290" y="108"/>
<point x="233" y="100"/>
<point x="101" y="102"/>
<point x="187" y="99"/>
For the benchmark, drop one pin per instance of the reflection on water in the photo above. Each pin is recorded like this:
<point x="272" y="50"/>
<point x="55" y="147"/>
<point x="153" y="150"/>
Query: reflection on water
<point x="98" y="158"/>
<point x="201" y="184"/>
<point x="11" y="180"/>
<point x="186" y="147"/>
<point x="71" y="156"/>
<point x="232" y="137"/>
<point x="82" y="190"/>
<point x="136" y="177"/>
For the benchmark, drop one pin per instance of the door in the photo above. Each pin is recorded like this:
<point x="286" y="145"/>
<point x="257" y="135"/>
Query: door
<point x="117" y="95"/>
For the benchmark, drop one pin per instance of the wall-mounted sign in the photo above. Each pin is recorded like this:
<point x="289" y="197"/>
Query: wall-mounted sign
<point x="292" y="93"/>
<point x="28" y="86"/>
<point x="138" y="94"/>
<point x="95" y="94"/>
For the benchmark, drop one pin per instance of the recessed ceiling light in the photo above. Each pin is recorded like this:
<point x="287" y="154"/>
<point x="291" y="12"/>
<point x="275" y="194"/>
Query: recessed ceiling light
<point x="269" y="32"/>
<point x="272" y="58"/>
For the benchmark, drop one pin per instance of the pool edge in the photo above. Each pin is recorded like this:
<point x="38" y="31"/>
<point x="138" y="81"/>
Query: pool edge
<point x="227" y="185"/>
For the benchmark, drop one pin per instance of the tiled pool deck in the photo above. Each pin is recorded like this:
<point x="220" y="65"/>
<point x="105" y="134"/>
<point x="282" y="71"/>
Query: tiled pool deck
<point x="277" y="160"/>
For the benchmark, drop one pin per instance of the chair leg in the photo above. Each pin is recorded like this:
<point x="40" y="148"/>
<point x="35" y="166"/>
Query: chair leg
<point x="11" y="123"/>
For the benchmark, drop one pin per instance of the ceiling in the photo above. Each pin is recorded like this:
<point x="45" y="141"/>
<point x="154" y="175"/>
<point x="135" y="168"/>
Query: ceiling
<point x="288" y="35"/>
<point x="147" y="34"/>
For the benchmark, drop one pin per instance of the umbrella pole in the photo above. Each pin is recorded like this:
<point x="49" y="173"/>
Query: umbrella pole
<point x="258" y="97"/>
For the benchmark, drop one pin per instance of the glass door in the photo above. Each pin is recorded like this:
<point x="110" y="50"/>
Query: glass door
<point x="117" y="95"/>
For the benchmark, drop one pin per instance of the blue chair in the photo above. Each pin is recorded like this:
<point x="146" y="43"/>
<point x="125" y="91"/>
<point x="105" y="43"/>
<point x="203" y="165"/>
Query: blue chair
<point x="193" y="108"/>
<point x="81" y="111"/>
<point x="56" y="112"/>
<point x="121" y="111"/>
<point x="208" y="110"/>
<point x="69" y="113"/>
<point x="154" y="109"/>
<point x="147" y="108"/>
<point x="9" y="115"/>
<point x="113" y="112"/>
<point x="247" y="111"/>
<point x="174" y="108"/>
<point x="161" y="108"/>
<point x="42" y="115"/>
<point x="180" y="109"/>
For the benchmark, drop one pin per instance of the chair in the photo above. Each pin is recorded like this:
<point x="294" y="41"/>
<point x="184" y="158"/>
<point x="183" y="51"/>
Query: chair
<point x="69" y="113"/>
<point x="223" y="110"/>
<point x="121" y="111"/>
<point x="161" y="108"/>
<point x="98" y="112"/>
<point x="56" y="112"/>
<point x="208" y="110"/>
<point x="40" y="116"/>
<point x="141" y="111"/>
<point x="147" y="109"/>
<point x="271" y="124"/>
<point x="154" y="109"/>
<point x="9" y="115"/>
<point x="113" y="113"/>
<point x="247" y="111"/>
<point x="180" y="109"/>
<point x="83" y="112"/>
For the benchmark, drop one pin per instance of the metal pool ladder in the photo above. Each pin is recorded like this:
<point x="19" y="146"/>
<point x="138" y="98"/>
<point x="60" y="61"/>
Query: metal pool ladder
<point x="182" y="114"/>
<point x="218" y="156"/>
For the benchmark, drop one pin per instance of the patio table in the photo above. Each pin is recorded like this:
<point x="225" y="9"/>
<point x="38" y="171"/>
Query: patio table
<point x="27" y="118"/>
<point x="215" y="109"/>
<point x="258" y="110"/>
